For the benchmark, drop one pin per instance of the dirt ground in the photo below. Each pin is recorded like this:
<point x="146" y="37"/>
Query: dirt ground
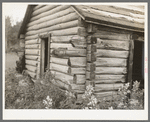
<point x="10" y="60"/>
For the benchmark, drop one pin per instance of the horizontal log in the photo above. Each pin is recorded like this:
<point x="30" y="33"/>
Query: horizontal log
<point x="77" y="87"/>
<point x="111" y="35"/>
<point x="123" y="80"/>
<point x="31" y="62"/>
<point x="112" y="53"/>
<point x="31" y="68"/>
<point x="112" y="44"/>
<point x="105" y="94"/>
<point x="59" y="68"/>
<point x="77" y="61"/>
<point x="111" y="62"/>
<point x="66" y="39"/>
<point x="35" y="41"/>
<point x="33" y="46"/>
<point x="110" y="77"/>
<point x="61" y="84"/>
<point x="111" y="70"/>
<point x="32" y="57"/>
<point x="65" y="25"/>
<point x="32" y="74"/>
<point x="68" y="79"/>
<point x="79" y="91"/>
<point x="69" y="53"/>
<point x="32" y="51"/>
<point x="107" y="87"/>
<point x="70" y="31"/>
<point x="79" y="79"/>
<point x="37" y="7"/>
<point x="47" y="13"/>
<point x="76" y="70"/>
<point x="60" y="61"/>
<point x="63" y="45"/>
<point x="52" y="20"/>
<point x="43" y="9"/>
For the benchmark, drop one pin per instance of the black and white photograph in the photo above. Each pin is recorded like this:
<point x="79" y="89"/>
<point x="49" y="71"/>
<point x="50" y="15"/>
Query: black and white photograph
<point x="77" y="58"/>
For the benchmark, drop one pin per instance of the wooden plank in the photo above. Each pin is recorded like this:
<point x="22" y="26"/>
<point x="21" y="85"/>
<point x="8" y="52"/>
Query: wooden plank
<point x="31" y="68"/>
<point x="123" y="80"/>
<point x="112" y="44"/>
<point x="35" y="41"/>
<point x="33" y="46"/>
<point x="78" y="87"/>
<point x="71" y="53"/>
<point x="115" y="21"/>
<point x="111" y="62"/>
<point x="47" y="13"/>
<point x="112" y="53"/>
<point x="109" y="77"/>
<point x="60" y="61"/>
<point x="114" y="9"/>
<point x="32" y="57"/>
<point x="59" y="68"/>
<point x="76" y="70"/>
<point x="32" y="51"/>
<point x="31" y="62"/>
<point x="42" y="58"/>
<point x="66" y="39"/>
<point x="111" y="15"/>
<point x="77" y="61"/>
<point x="32" y="74"/>
<point x="107" y="87"/>
<point x="111" y="70"/>
<point x="130" y="62"/>
<point x="63" y="77"/>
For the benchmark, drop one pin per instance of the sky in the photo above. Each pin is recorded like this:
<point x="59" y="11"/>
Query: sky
<point x="14" y="10"/>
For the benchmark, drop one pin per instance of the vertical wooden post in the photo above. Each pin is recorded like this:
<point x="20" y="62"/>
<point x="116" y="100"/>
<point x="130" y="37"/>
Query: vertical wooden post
<point x="130" y="62"/>
<point x="48" y="55"/>
<point x="91" y="56"/>
<point x="42" y="57"/>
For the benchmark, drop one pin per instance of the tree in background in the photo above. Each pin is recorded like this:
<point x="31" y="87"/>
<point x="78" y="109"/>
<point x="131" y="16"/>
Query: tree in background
<point x="11" y="33"/>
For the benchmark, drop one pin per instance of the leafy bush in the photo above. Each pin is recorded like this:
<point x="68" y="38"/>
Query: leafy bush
<point x="21" y="93"/>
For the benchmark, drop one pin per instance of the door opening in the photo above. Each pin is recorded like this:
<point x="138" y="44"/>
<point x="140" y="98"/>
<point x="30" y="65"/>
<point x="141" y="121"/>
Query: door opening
<point x="44" y="61"/>
<point x="138" y="62"/>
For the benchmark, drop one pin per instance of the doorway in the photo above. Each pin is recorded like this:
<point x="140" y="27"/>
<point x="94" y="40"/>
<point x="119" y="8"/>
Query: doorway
<point x="44" y="60"/>
<point x="138" y="62"/>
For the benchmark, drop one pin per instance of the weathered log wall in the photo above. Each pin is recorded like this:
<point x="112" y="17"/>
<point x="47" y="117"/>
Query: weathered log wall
<point x="67" y="44"/>
<point x="106" y="62"/>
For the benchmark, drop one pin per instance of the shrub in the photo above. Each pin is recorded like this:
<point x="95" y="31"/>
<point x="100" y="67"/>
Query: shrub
<point x="29" y="96"/>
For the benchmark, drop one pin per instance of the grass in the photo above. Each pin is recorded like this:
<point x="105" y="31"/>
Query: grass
<point x="10" y="60"/>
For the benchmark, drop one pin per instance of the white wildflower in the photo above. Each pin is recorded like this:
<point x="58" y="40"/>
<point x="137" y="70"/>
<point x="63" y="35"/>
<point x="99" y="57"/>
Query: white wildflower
<point x="110" y="108"/>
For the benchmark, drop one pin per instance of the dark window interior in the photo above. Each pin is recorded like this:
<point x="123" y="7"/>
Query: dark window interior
<point x="46" y="54"/>
<point x="138" y="62"/>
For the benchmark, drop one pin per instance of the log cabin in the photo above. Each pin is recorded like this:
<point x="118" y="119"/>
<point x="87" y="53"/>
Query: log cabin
<point x="101" y="45"/>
